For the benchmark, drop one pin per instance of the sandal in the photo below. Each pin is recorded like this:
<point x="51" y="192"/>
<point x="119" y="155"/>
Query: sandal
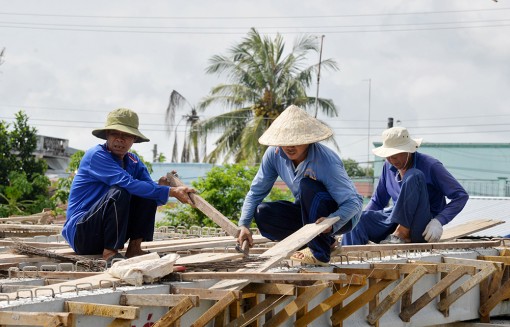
<point x="308" y="258"/>
<point x="114" y="258"/>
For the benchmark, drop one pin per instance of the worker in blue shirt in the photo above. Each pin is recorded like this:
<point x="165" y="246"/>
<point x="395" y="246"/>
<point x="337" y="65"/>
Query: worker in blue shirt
<point x="113" y="198"/>
<point x="316" y="177"/>
<point x="418" y="186"/>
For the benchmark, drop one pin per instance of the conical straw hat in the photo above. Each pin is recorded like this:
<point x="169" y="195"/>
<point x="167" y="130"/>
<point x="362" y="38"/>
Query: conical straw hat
<point x="295" y="127"/>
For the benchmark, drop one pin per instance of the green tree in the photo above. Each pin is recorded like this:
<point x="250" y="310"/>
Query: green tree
<point x="353" y="169"/>
<point x="262" y="81"/>
<point x="23" y="188"/>
<point x="224" y="188"/>
<point x="193" y="138"/>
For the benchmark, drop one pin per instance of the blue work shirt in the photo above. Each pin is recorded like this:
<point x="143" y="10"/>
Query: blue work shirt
<point x="440" y="185"/>
<point x="321" y="164"/>
<point x="99" y="170"/>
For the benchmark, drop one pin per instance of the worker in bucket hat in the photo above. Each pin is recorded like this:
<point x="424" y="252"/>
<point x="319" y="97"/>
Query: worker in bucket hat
<point x="113" y="198"/>
<point x="418" y="186"/>
<point x="316" y="177"/>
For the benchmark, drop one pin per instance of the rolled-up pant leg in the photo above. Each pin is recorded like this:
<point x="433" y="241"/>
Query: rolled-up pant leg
<point x="373" y="226"/>
<point x="112" y="220"/>
<point x="316" y="202"/>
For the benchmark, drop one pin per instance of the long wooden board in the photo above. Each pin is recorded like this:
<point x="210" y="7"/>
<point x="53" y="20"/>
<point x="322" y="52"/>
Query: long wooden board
<point x="281" y="251"/>
<point x="468" y="228"/>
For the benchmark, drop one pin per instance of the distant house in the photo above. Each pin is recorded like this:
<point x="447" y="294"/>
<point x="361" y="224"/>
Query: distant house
<point x="56" y="152"/>
<point x="482" y="168"/>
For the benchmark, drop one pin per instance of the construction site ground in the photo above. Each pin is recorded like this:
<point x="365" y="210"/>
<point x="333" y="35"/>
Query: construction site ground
<point x="456" y="281"/>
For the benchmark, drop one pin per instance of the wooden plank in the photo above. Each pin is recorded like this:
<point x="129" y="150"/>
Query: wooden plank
<point x="361" y="300"/>
<point x="228" y="226"/>
<point x="281" y="250"/>
<point x="376" y="273"/>
<point x="465" y="287"/>
<point x="18" y="318"/>
<point x="419" y="246"/>
<point x="428" y="296"/>
<point x="407" y="268"/>
<point x="260" y="276"/>
<point x="396" y="293"/>
<point x="257" y="311"/>
<point x="468" y="228"/>
<point x="102" y="310"/>
<point x="270" y="288"/>
<point x="336" y="298"/>
<point x="174" y="314"/>
<point x="299" y="302"/>
<point x="156" y="300"/>
<point x="205" y="294"/>
<point x="479" y="264"/>
<point x="214" y="310"/>
<point x="375" y="301"/>
<point x="208" y="257"/>
<point x="301" y="237"/>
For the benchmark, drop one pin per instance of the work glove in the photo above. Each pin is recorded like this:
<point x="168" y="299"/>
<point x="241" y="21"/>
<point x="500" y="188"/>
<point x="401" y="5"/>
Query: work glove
<point x="433" y="231"/>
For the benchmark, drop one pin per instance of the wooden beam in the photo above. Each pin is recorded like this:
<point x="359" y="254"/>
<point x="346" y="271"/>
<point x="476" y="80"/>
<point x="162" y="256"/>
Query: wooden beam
<point x="18" y="318"/>
<point x="217" y="308"/>
<point x="396" y="293"/>
<point x="419" y="246"/>
<point x="407" y="268"/>
<point x="102" y="310"/>
<point x="501" y="294"/>
<point x="270" y="288"/>
<point x="299" y="302"/>
<point x="256" y="276"/>
<point x="174" y="314"/>
<point x="228" y="226"/>
<point x="156" y="300"/>
<point x="270" y="302"/>
<point x="480" y="264"/>
<point x="428" y="296"/>
<point x="361" y="300"/>
<point x="337" y="297"/>
<point x="376" y="273"/>
<point x="204" y="294"/>
<point x="465" y="287"/>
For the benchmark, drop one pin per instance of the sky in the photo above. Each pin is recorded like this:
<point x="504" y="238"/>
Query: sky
<point x="440" y="68"/>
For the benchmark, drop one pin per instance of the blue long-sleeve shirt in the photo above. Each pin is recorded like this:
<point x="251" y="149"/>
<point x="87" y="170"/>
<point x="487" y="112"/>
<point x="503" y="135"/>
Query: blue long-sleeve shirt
<point x="440" y="185"/>
<point x="321" y="164"/>
<point x="99" y="170"/>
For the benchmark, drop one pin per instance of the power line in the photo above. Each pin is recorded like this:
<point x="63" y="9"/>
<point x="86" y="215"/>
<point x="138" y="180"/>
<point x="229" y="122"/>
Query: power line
<point x="259" y="17"/>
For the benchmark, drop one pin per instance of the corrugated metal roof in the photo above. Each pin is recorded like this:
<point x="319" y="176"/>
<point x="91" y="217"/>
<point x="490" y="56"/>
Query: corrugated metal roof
<point x="497" y="208"/>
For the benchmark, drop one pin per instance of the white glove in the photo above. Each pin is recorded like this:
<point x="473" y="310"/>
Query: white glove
<point x="433" y="231"/>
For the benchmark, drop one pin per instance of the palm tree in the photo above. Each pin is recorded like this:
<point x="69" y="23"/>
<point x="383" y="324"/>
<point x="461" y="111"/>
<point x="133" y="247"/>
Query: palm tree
<point x="192" y="134"/>
<point x="262" y="82"/>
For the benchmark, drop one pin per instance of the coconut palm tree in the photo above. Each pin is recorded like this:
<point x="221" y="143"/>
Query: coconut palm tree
<point x="190" y="150"/>
<point x="262" y="81"/>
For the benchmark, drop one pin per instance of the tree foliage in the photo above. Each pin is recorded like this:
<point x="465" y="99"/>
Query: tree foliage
<point x="224" y="187"/>
<point x="23" y="186"/>
<point x="353" y="169"/>
<point x="263" y="79"/>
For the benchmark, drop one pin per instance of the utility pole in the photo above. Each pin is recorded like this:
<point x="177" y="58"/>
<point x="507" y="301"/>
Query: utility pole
<point x="318" y="78"/>
<point x="368" y="130"/>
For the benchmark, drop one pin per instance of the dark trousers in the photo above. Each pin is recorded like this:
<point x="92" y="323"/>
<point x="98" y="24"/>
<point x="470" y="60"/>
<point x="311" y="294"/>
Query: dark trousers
<point x="115" y="218"/>
<point x="277" y="220"/>
<point x="411" y="210"/>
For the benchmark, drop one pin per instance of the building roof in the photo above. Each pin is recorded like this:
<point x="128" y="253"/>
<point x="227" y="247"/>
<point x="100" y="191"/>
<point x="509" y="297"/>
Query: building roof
<point x="497" y="208"/>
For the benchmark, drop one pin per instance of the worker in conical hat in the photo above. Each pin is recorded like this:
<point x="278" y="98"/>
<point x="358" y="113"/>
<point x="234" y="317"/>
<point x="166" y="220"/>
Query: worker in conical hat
<point x="316" y="177"/>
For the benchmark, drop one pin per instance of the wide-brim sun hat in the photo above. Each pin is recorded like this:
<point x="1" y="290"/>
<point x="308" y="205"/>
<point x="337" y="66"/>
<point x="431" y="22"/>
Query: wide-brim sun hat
<point x="295" y="127"/>
<point x="396" y="140"/>
<point x="123" y="120"/>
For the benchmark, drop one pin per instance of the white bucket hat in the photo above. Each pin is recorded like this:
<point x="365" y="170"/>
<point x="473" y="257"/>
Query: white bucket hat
<point x="396" y="140"/>
<point x="295" y="127"/>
